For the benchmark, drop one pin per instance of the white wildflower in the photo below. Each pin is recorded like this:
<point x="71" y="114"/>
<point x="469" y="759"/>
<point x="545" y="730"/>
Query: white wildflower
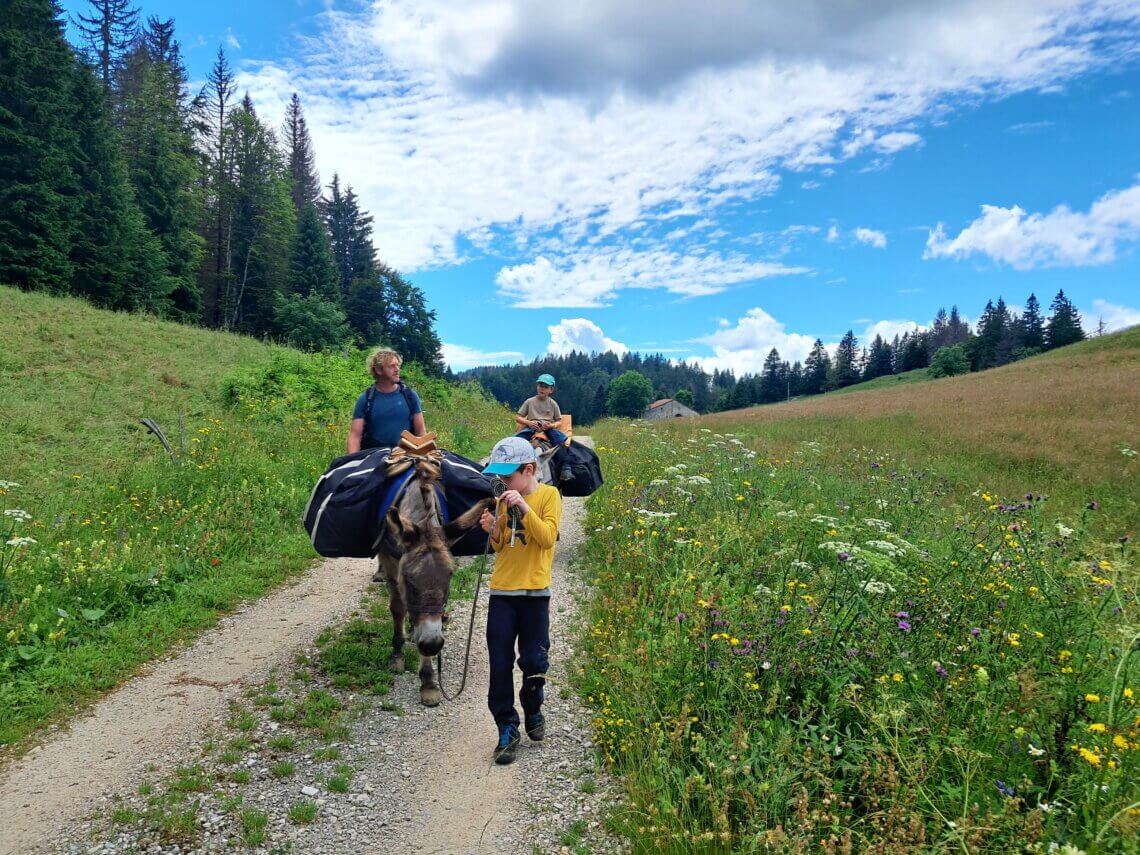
<point x="1035" y="751"/>
<point x="698" y="479"/>
<point x="766" y="666"/>
<point x="874" y="586"/>
<point x="8" y="485"/>
<point x="786" y="515"/>
<point x="802" y="565"/>
<point x="1128" y="452"/>
<point x="879" y="525"/>
<point x="1062" y="530"/>
<point x="655" y="515"/>
<point x="21" y="541"/>
<point x="16" y="515"/>
<point x="763" y="591"/>
<point x="658" y="482"/>
<point x="823" y="519"/>
<point x="884" y="546"/>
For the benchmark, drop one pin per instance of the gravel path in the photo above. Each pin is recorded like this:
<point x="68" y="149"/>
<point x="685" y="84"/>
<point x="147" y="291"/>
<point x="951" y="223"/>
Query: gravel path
<point x="398" y="777"/>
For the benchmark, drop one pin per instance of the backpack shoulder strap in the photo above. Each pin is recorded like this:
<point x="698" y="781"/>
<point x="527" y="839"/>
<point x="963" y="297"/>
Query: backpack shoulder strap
<point x="369" y="397"/>
<point x="409" y="399"/>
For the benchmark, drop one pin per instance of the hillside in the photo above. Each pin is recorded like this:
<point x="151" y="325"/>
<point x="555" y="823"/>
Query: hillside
<point x="131" y="551"/>
<point x="1056" y="423"/>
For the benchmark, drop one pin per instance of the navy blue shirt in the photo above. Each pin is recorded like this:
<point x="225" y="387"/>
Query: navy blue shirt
<point x="389" y="417"/>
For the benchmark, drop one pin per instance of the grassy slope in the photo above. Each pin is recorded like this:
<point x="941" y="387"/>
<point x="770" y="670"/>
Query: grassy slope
<point x="1053" y="423"/>
<point x="156" y="551"/>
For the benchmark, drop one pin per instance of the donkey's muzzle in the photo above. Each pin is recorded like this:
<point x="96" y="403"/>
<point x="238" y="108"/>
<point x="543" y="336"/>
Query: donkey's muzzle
<point x="428" y="635"/>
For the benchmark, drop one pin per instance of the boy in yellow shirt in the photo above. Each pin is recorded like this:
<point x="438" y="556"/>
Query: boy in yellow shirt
<point x="523" y="537"/>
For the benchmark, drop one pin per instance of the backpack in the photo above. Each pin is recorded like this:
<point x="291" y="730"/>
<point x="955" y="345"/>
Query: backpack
<point x="585" y="470"/>
<point x="367" y="440"/>
<point x="345" y="514"/>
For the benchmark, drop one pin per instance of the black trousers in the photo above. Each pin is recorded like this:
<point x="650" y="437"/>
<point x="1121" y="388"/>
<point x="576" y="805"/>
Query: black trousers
<point x="527" y="621"/>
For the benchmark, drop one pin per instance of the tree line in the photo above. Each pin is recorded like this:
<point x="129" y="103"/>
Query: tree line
<point x="119" y="185"/>
<point x="947" y="347"/>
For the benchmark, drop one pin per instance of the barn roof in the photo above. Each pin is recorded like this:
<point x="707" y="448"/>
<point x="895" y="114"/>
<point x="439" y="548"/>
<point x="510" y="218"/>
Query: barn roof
<point x="659" y="402"/>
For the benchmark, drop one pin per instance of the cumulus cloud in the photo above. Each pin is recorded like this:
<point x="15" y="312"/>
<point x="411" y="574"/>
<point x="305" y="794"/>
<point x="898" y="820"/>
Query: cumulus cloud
<point x="743" y="347"/>
<point x="582" y="335"/>
<point x="593" y="277"/>
<point x="888" y="330"/>
<point x="485" y="126"/>
<point x="871" y="237"/>
<point x="1061" y="238"/>
<point x="1115" y="317"/>
<point x="458" y="356"/>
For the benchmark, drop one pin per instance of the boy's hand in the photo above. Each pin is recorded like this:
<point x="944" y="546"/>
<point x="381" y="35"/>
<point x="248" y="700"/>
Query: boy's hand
<point x="487" y="522"/>
<point x="515" y="500"/>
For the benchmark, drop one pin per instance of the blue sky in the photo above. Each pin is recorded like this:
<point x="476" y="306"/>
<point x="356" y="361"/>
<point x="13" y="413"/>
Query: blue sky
<point x="712" y="179"/>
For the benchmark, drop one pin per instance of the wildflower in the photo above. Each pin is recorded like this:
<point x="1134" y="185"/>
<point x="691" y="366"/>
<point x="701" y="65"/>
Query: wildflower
<point x="17" y="515"/>
<point x="1128" y="693"/>
<point x="939" y="670"/>
<point x="976" y="631"/>
<point x="1034" y="751"/>
<point x="897" y="677"/>
<point x="1064" y="530"/>
<point x="904" y="626"/>
<point x="843" y="556"/>
<point x="1092" y="506"/>
<point x="1089" y="757"/>
<point x="1096" y="727"/>
<point x="681" y="617"/>
<point x="1004" y="789"/>
<point x="1092" y="698"/>
<point x="873" y="586"/>
<point x="21" y="541"/>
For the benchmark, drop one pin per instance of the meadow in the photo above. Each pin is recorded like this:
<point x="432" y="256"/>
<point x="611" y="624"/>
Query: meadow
<point x="877" y="622"/>
<point x="114" y="551"/>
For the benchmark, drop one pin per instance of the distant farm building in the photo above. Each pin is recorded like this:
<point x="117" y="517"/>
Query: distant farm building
<point x="667" y="408"/>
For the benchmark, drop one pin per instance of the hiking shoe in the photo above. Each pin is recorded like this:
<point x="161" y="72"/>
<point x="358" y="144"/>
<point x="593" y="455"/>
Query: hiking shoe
<point x="536" y="726"/>
<point x="508" y="744"/>
<point x="566" y="474"/>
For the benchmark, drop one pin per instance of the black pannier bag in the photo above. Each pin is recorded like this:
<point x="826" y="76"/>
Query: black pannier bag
<point x="345" y="513"/>
<point x="585" y="470"/>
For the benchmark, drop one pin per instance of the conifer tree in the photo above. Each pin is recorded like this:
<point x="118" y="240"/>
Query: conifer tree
<point x="845" y="368"/>
<point x="109" y="30"/>
<point x="1032" y="325"/>
<point x="38" y="147"/>
<point x="878" y="359"/>
<point x="771" y="379"/>
<point x="816" y="368"/>
<point x="306" y="189"/>
<point x="1064" y="323"/>
<point x="411" y="325"/>
<point x="311" y="270"/>
<point x="216" y="107"/>
<point x="117" y="261"/>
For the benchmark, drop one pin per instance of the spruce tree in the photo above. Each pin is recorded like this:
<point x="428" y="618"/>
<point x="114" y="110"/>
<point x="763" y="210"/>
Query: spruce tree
<point x="878" y="359"/>
<point x="166" y="171"/>
<point x="1032" y="325"/>
<point x="216" y="108"/>
<point x="1064" y="323"/>
<point x="38" y="147"/>
<point x="771" y="380"/>
<point x="306" y="189"/>
<point x="845" y="368"/>
<point x="116" y="260"/>
<point x="816" y="368"/>
<point x="109" y="30"/>
<point x="311" y="270"/>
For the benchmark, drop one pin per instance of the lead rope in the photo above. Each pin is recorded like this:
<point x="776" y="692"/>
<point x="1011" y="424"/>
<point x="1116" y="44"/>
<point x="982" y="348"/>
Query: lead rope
<point x="470" y="627"/>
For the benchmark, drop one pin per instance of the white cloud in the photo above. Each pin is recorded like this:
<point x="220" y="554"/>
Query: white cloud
<point x="888" y="330"/>
<point x="1061" y="238"/>
<point x="506" y="122"/>
<point x="1115" y="317"/>
<point x="871" y="237"/>
<point x="231" y="39"/>
<point x="595" y="276"/>
<point x="458" y="356"/>
<point x="832" y="234"/>
<point x="1029" y="127"/>
<point x="744" y="347"/>
<point x="582" y="335"/>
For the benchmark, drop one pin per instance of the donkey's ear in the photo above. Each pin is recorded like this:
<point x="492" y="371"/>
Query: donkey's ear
<point x="461" y="524"/>
<point x="402" y="528"/>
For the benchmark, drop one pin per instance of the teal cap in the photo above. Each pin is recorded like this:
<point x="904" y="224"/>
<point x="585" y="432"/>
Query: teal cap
<point x="548" y="379"/>
<point x="508" y="455"/>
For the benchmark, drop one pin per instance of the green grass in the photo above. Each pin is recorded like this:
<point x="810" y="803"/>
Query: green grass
<point x="814" y="640"/>
<point x="136" y="553"/>
<point x="303" y="812"/>
<point x="253" y="824"/>
<point x="283" y="769"/>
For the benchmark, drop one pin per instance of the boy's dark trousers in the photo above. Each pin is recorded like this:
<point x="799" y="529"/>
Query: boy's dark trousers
<point x="526" y="619"/>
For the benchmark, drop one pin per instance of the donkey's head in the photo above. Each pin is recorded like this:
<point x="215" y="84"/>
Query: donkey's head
<point x="425" y="570"/>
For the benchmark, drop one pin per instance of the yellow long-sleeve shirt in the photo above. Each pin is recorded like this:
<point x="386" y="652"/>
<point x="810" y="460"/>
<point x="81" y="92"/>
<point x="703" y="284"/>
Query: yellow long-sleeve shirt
<point x="526" y="565"/>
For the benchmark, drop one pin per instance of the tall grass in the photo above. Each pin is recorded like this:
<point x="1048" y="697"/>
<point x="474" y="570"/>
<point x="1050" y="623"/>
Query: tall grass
<point x="828" y="649"/>
<point x="125" y="551"/>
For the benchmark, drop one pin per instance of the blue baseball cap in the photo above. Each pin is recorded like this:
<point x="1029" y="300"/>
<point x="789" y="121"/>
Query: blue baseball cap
<point x="509" y="454"/>
<point x="548" y="379"/>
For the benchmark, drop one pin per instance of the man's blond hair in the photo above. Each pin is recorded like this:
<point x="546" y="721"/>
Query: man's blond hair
<point x="380" y="359"/>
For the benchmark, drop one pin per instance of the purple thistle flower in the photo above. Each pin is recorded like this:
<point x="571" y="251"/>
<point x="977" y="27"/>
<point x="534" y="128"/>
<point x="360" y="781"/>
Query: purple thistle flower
<point x="940" y="671"/>
<point x="843" y="556"/>
<point x="681" y="617"/>
<point x="901" y="615"/>
<point x="904" y="626"/>
<point x="976" y="631"/>
<point x="1092" y="506"/>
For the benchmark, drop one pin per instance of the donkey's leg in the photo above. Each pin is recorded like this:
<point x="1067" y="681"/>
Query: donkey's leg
<point x="399" y="614"/>
<point x="430" y="695"/>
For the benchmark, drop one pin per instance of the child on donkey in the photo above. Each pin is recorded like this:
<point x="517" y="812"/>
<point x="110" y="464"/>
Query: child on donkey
<point x="537" y="414"/>
<point x="523" y="537"/>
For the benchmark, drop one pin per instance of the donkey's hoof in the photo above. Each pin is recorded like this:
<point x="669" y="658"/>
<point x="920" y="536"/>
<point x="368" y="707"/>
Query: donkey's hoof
<point x="396" y="663"/>
<point x="430" y="697"/>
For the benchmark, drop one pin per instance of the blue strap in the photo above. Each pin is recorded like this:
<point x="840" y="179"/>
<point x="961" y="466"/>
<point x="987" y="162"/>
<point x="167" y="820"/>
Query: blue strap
<point x="442" y="496"/>
<point x="393" y="490"/>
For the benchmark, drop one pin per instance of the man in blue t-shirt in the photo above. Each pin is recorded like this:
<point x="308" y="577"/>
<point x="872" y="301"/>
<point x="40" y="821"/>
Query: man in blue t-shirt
<point x="394" y="408"/>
